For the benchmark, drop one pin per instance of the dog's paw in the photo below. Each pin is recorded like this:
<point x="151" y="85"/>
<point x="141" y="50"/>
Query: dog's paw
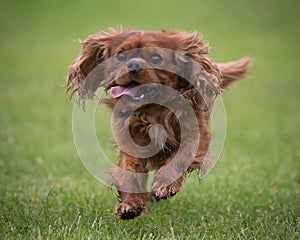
<point x="128" y="211"/>
<point x="166" y="192"/>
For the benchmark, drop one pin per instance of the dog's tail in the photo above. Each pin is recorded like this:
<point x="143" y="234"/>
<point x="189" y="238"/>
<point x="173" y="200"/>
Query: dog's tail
<point x="232" y="71"/>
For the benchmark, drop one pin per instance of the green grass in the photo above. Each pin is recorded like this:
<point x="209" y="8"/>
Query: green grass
<point x="252" y="193"/>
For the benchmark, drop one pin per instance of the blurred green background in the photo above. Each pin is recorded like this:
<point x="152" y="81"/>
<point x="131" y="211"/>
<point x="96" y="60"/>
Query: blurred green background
<point x="45" y="191"/>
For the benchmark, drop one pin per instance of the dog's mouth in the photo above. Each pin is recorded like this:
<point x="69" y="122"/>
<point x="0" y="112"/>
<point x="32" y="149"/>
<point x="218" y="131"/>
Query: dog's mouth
<point x="134" y="92"/>
<point x="120" y="91"/>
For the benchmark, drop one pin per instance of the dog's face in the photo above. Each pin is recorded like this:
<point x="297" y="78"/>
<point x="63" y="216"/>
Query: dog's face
<point x="143" y="65"/>
<point x="143" y="57"/>
<point x="133" y="58"/>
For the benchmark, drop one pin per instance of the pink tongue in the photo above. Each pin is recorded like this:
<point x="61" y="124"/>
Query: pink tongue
<point x="119" y="91"/>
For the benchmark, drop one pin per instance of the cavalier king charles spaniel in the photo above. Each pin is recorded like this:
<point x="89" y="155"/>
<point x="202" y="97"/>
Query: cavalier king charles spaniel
<point x="162" y="87"/>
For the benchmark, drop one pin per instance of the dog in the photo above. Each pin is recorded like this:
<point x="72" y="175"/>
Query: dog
<point x="181" y="83"/>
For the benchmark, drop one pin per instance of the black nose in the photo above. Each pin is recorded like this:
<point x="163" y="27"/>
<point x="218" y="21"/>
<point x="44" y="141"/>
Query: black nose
<point x="134" y="67"/>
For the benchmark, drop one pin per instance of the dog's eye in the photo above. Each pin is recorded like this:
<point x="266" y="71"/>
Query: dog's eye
<point x="156" y="59"/>
<point x="121" y="56"/>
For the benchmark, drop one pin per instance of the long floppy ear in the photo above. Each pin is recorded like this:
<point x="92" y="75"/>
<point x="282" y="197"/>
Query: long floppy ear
<point x="205" y="74"/>
<point x="233" y="71"/>
<point x="95" y="49"/>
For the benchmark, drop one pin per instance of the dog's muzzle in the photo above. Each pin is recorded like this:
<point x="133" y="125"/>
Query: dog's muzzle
<point x="134" y="67"/>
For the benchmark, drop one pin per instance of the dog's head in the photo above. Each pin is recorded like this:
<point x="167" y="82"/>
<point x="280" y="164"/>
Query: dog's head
<point x="121" y="60"/>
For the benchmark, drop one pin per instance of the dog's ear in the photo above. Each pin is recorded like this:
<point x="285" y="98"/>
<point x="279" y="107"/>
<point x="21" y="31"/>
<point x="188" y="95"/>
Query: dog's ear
<point x="95" y="49"/>
<point x="221" y="75"/>
<point x="204" y="73"/>
<point x="233" y="71"/>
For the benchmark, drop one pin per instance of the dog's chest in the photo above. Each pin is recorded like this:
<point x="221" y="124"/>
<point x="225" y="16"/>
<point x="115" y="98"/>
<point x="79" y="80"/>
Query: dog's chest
<point x="154" y="123"/>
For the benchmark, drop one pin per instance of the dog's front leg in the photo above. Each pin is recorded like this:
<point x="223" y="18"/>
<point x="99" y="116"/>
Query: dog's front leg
<point x="168" y="179"/>
<point x="130" y="178"/>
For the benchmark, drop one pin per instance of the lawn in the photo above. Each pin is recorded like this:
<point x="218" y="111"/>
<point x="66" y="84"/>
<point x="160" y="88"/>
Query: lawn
<point x="252" y="193"/>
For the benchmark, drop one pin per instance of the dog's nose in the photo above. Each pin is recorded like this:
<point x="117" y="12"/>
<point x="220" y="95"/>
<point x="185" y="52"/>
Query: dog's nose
<point x="134" y="66"/>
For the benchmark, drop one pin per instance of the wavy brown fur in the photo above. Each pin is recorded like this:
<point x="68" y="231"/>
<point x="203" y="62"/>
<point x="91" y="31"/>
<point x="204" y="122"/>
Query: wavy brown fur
<point x="99" y="47"/>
